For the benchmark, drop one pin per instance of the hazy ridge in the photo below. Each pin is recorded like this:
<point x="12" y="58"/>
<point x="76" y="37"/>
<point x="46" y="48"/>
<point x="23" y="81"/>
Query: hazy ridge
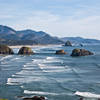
<point x="10" y="36"/>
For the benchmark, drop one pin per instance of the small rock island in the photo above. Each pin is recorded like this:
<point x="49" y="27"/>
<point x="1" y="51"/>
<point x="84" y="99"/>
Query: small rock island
<point x="68" y="43"/>
<point x="60" y="52"/>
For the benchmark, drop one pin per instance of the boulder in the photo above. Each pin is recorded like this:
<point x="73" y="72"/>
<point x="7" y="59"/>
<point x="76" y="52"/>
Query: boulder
<point x="68" y="43"/>
<point x="60" y="52"/>
<point x="35" y="98"/>
<point x="25" y="51"/>
<point x="81" y="52"/>
<point x="4" y="49"/>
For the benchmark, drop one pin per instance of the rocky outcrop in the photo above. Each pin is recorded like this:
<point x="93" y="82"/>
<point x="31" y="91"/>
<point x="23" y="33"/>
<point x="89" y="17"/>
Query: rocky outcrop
<point x="60" y="52"/>
<point x="4" y="49"/>
<point x="68" y="43"/>
<point x="35" y="98"/>
<point x="81" y="45"/>
<point x="81" y="52"/>
<point x="25" y="51"/>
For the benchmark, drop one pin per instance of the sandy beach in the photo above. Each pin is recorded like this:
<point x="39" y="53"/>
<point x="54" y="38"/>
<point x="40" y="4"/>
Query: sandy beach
<point x="31" y="46"/>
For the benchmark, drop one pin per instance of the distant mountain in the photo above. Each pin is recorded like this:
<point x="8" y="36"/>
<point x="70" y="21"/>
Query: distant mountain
<point x="10" y="36"/>
<point x="6" y="30"/>
<point x="40" y="37"/>
<point x="79" y="40"/>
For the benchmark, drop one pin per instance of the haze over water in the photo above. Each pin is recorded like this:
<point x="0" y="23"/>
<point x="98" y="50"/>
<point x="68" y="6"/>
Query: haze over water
<point x="57" y="77"/>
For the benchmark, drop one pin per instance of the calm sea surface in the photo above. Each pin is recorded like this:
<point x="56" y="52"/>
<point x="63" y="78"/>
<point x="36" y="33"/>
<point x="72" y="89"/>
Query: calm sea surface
<point x="57" y="77"/>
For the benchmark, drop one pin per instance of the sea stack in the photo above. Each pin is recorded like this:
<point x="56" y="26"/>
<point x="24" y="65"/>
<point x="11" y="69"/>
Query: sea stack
<point x="4" y="49"/>
<point x="60" y="52"/>
<point x="81" y="52"/>
<point x="81" y="45"/>
<point x="25" y="51"/>
<point x="68" y="43"/>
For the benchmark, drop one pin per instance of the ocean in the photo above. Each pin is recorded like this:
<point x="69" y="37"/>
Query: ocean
<point x="57" y="77"/>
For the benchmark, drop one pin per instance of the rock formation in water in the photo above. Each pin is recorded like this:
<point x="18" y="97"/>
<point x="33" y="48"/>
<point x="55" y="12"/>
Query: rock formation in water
<point x="35" y="98"/>
<point x="81" y="45"/>
<point x="81" y="52"/>
<point x="60" y="52"/>
<point x="4" y="49"/>
<point x="68" y="43"/>
<point x="25" y="51"/>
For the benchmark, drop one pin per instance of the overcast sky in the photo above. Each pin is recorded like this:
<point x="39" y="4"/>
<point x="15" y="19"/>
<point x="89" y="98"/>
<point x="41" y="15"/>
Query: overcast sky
<point x="57" y="17"/>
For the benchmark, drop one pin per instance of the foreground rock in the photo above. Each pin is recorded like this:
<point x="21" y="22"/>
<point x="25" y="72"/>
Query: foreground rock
<point x="68" y="43"/>
<point x="60" y="52"/>
<point x="25" y="51"/>
<point x="81" y="52"/>
<point x="35" y="98"/>
<point x="4" y="49"/>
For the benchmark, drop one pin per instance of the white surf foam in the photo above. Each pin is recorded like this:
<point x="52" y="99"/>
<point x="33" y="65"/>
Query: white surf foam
<point x="9" y="82"/>
<point x="13" y="75"/>
<point x="45" y="93"/>
<point x="5" y="65"/>
<point x="87" y="94"/>
<point x="52" y="71"/>
<point x="37" y="61"/>
<point x="5" y="57"/>
<point x="22" y="86"/>
<point x="25" y="79"/>
<point x="42" y="66"/>
<point x="15" y="59"/>
<point x="9" y="79"/>
<point x="39" y="92"/>
<point x="49" y="68"/>
<point x="26" y="68"/>
<point x="25" y="72"/>
<point x="50" y="58"/>
<point x="16" y="81"/>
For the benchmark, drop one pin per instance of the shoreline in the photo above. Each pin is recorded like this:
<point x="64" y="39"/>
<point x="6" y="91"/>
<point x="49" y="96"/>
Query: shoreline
<point x="31" y="46"/>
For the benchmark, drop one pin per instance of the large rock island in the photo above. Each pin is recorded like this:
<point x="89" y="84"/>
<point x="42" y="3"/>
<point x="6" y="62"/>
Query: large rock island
<point x="4" y="49"/>
<point x="81" y="52"/>
<point x="25" y="51"/>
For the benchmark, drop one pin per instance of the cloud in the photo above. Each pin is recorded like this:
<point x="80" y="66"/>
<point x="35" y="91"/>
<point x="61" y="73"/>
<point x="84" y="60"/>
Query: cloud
<point x="6" y="16"/>
<point x="59" y="17"/>
<point x="58" y="26"/>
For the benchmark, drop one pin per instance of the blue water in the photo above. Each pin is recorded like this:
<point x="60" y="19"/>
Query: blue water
<point x="57" y="77"/>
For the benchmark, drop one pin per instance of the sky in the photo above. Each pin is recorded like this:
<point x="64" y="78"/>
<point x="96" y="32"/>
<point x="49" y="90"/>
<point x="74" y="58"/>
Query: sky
<point x="62" y="18"/>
